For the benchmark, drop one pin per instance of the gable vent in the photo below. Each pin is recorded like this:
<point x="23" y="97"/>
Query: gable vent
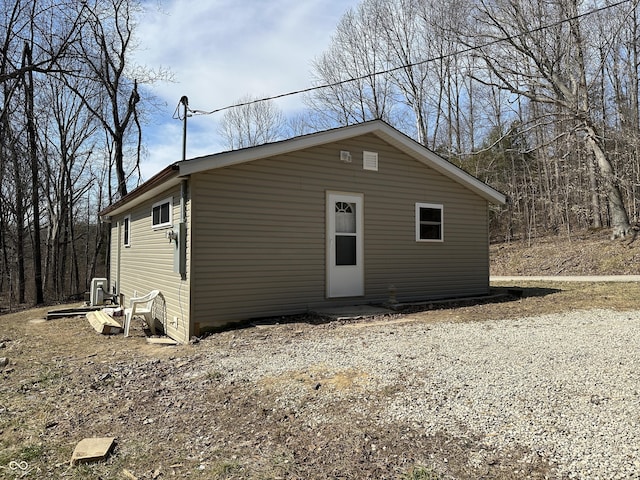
<point x="370" y="161"/>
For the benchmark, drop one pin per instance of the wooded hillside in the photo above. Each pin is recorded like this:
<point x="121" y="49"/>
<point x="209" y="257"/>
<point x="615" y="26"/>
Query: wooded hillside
<point x="69" y="138"/>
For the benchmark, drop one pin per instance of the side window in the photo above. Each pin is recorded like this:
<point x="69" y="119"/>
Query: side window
<point x="161" y="214"/>
<point x="126" y="226"/>
<point x="429" y="221"/>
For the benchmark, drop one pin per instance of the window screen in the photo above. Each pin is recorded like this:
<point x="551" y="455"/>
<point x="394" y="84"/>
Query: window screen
<point x="161" y="214"/>
<point x="428" y="222"/>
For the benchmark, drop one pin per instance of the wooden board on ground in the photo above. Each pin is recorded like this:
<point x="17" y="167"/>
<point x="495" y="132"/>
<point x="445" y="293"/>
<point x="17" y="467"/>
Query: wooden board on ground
<point x="92" y="450"/>
<point x="103" y="323"/>
<point x="70" y="312"/>
<point x="161" y="341"/>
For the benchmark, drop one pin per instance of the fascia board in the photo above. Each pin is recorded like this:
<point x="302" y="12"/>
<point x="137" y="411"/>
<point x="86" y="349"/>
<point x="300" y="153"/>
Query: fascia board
<point x="250" y="154"/>
<point x="153" y="187"/>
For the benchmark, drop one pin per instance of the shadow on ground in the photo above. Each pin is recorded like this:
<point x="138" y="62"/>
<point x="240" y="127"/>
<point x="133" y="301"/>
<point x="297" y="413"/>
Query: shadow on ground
<point x="497" y="295"/>
<point x="367" y="312"/>
<point x="524" y="292"/>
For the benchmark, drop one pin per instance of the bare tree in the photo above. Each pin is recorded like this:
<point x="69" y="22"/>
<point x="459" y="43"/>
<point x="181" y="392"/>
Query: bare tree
<point x="620" y="82"/>
<point x="47" y="22"/>
<point x="69" y="136"/>
<point x="397" y="60"/>
<point x="356" y="53"/>
<point x="537" y="50"/>
<point x="33" y="37"/>
<point x="404" y="26"/>
<point x="14" y="191"/>
<point x="32" y="148"/>
<point x="65" y="79"/>
<point x="103" y="52"/>
<point x="252" y="123"/>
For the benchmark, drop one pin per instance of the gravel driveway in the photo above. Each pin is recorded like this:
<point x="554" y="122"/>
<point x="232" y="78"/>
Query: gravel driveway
<point x="564" y="386"/>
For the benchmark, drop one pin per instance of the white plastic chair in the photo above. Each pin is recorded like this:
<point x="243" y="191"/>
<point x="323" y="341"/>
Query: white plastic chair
<point x="141" y="306"/>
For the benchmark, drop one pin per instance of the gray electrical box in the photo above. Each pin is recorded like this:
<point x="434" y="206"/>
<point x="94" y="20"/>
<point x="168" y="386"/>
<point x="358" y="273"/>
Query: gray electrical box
<point x="180" y="252"/>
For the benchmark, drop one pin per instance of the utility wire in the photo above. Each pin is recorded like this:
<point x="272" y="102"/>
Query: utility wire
<point x="507" y="38"/>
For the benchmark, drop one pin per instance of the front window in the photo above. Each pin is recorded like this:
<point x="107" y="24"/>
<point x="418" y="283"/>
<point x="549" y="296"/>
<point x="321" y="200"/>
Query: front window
<point x="161" y="214"/>
<point x="429" y="222"/>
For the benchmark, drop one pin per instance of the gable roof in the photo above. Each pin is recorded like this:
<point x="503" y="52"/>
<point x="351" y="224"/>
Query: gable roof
<point x="170" y="176"/>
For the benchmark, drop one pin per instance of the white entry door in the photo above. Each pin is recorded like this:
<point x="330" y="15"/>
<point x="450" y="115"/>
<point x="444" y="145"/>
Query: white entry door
<point x="345" y="259"/>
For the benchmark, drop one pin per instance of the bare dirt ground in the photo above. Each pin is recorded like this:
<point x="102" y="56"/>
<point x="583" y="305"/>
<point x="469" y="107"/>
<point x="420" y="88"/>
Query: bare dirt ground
<point x="64" y="382"/>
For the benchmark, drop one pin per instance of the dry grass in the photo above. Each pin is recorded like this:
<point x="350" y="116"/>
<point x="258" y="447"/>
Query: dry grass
<point x="583" y="253"/>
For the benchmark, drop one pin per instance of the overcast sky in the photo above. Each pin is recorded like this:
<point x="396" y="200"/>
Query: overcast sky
<point x="222" y="50"/>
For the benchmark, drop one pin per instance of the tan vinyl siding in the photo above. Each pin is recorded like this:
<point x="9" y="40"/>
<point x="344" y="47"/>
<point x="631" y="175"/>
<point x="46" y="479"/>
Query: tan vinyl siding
<point x="259" y="232"/>
<point x="148" y="264"/>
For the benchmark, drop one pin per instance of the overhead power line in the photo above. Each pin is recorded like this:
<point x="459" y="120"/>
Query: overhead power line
<point x="404" y="66"/>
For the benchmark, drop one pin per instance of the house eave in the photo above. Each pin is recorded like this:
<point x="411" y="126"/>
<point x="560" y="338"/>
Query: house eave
<point x="163" y="180"/>
<point x="441" y="165"/>
<point x="375" y="127"/>
<point x="172" y="175"/>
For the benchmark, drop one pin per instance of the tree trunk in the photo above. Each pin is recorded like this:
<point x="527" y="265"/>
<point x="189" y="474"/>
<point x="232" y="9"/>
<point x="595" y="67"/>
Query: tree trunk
<point x="35" y="197"/>
<point x="619" y="218"/>
<point x="19" y="211"/>
<point x="596" y="218"/>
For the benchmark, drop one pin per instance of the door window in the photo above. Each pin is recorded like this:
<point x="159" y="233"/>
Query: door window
<point x="346" y="245"/>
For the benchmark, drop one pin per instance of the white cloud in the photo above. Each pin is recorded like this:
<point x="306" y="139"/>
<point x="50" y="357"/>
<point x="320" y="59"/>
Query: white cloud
<point x="222" y="50"/>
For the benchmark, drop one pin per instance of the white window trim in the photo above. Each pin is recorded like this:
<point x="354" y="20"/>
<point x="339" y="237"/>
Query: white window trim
<point x="126" y="239"/>
<point x="168" y="224"/>
<point x="433" y="206"/>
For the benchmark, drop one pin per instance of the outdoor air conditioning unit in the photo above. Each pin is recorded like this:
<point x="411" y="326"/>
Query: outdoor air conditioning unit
<point x="98" y="288"/>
